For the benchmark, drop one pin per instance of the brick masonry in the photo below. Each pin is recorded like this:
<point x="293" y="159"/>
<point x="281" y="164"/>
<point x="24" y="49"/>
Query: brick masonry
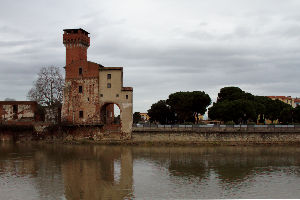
<point x="91" y="90"/>
<point x="18" y="111"/>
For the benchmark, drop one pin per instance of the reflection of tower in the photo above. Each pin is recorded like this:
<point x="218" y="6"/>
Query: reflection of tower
<point x="92" y="176"/>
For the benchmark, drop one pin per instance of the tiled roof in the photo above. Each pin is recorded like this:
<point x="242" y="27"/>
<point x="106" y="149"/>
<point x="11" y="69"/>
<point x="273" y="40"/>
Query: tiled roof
<point x="280" y="97"/>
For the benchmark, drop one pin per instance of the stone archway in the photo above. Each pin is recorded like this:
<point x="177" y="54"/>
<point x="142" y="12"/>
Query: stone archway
<point x="110" y="115"/>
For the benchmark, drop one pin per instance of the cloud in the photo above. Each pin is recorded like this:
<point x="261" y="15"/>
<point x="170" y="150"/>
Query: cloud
<point x="164" y="46"/>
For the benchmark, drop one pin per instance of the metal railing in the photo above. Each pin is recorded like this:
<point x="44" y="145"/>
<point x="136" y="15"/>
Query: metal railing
<point x="212" y="126"/>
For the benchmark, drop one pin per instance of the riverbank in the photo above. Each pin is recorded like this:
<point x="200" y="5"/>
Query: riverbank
<point x="160" y="136"/>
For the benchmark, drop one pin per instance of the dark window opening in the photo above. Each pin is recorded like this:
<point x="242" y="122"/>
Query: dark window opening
<point x="108" y="85"/>
<point x="108" y="76"/>
<point x="126" y="96"/>
<point x="117" y="95"/>
<point x="80" y="71"/>
<point x="15" y="109"/>
<point x="80" y="89"/>
<point x="88" y="99"/>
<point x="101" y="95"/>
<point x="81" y="114"/>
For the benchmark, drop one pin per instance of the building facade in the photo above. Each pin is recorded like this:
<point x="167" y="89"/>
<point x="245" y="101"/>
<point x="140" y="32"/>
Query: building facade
<point x="92" y="90"/>
<point x="15" y="112"/>
<point x="145" y="117"/>
<point x="288" y="100"/>
<point x="297" y="102"/>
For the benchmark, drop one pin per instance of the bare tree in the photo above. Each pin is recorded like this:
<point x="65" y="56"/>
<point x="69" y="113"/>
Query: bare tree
<point x="47" y="90"/>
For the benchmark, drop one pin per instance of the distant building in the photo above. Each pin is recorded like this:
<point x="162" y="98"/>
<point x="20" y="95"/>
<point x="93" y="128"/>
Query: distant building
<point x="286" y="99"/>
<point x="145" y="116"/>
<point x="200" y="117"/>
<point x="297" y="102"/>
<point x="18" y="111"/>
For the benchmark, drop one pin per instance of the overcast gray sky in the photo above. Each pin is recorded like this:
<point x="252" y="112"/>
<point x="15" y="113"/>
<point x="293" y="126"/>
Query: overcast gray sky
<point x="164" y="45"/>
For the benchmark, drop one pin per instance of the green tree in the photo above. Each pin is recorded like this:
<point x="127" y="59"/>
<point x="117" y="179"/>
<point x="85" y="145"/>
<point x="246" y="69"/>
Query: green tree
<point x="233" y="93"/>
<point x="274" y="109"/>
<point x="137" y="117"/>
<point x="233" y="104"/>
<point x="263" y="106"/>
<point x="286" y="115"/>
<point x="239" y="111"/>
<point x="296" y="114"/>
<point x="188" y="105"/>
<point x="161" y="112"/>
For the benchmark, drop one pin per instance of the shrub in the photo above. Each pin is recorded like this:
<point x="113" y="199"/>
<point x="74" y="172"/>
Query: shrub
<point x="230" y="123"/>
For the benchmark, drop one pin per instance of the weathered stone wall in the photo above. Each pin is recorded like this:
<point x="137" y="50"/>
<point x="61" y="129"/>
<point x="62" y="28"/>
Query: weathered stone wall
<point x="217" y="136"/>
<point x="87" y="101"/>
<point x="94" y="134"/>
<point x="17" y="111"/>
<point x="116" y="94"/>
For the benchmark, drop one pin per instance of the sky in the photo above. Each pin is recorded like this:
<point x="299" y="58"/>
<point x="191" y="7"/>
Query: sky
<point x="165" y="46"/>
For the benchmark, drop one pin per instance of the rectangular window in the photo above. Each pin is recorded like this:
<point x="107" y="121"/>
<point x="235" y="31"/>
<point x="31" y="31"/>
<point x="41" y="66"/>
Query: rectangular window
<point x="80" y="71"/>
<point x="81" y="114"/>
<point x="117" y="95"/>
<point x="15" y="109"/>
<point x="80" y="89"/>
<point x="108" y="85"/>
<point x="108" y="76"/>
<point x="126" y="96"/>
<point x="101" y="95"/>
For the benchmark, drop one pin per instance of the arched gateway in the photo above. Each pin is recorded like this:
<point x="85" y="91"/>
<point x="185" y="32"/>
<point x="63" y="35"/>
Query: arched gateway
<point x="91" y="89"/>
<point x="110" y="115"/>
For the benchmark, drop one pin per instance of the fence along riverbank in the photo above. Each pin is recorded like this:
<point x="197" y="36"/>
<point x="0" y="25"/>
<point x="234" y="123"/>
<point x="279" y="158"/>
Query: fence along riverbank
<point x="218" y="128"/>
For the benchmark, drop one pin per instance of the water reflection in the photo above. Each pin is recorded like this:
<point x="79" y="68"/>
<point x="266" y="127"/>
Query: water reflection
<point x="120" y="172"/>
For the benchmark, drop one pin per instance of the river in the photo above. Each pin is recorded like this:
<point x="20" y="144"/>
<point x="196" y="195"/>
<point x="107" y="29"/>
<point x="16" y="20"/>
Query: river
<point x="55" y="171"/>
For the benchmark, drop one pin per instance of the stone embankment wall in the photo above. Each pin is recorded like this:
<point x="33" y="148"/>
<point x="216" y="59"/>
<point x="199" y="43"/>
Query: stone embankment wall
<point x="56" y="133"/>
<point x="153" y="136"/>
<point x="216" y="135"/>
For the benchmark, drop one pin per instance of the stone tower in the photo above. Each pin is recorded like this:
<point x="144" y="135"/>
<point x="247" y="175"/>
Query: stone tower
<point x="92" y="90"/>
<point x="76" y="42"/>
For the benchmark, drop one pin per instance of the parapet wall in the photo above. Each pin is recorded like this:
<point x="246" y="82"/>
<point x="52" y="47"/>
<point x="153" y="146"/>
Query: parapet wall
<point x="218" y="136"/>
<point x="151" y="136"/>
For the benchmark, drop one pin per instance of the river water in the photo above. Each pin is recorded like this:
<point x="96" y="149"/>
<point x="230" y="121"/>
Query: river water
<point x="123" y="172"/>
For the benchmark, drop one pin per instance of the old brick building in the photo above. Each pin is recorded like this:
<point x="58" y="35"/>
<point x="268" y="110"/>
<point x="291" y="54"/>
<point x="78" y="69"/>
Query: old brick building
<point x="18" y="112"/>
<point x="92" y="90"/>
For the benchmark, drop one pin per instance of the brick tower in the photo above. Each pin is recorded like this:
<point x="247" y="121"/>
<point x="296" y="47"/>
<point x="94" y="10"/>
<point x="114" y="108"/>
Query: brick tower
<point x="81" y="94"/>
<point x="92" y="90"/>
<point x="76" y="42"/>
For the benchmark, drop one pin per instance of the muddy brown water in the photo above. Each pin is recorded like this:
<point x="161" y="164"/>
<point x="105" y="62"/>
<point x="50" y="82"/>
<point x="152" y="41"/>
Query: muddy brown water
<point x="124" y="172"/>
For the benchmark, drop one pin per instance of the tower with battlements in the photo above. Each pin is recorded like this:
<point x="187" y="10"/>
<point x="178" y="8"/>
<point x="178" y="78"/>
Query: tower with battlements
<point x="92" y="91"/>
